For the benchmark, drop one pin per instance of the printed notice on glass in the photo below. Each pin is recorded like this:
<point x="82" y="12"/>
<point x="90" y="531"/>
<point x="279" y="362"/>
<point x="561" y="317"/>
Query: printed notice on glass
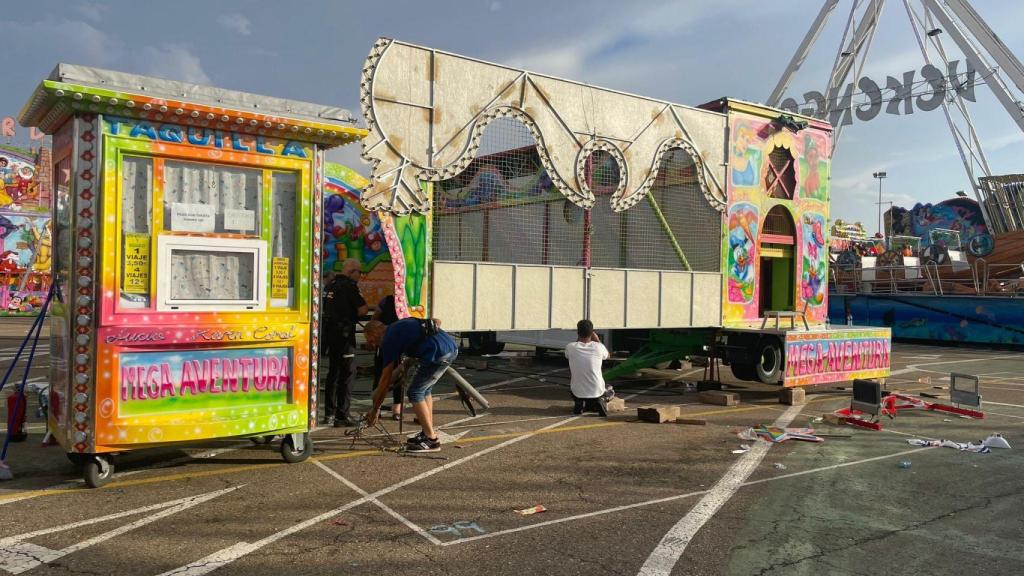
<point x="241" y="220"/>
<point x="279" y="278"/>
<point x="188" y="217"/>
<point x="136" y="264"/>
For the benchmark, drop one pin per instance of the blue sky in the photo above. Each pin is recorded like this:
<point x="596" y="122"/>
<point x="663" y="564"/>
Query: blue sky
<point x="684" y="51"/>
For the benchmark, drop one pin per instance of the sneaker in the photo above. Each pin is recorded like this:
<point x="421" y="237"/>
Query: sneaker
<point x="416" y="438"/>
<point x="423" y="445"/>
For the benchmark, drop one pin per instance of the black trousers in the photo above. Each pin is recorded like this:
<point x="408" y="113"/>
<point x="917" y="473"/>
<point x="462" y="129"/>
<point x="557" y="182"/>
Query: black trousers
<point x="341" y="375"/>
<point x="589" y="404"/>
<point x="378" y="367"/>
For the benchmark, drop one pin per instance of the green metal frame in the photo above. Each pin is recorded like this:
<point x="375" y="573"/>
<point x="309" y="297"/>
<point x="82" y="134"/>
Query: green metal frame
<point x="661" y="347"/>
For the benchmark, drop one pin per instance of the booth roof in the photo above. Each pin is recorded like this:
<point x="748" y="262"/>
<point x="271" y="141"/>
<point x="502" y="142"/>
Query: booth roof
<point x="71" y="88"/>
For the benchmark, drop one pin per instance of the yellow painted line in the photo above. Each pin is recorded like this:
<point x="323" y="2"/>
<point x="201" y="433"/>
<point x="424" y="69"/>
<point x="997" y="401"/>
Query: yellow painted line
<point x="250" y="467"/>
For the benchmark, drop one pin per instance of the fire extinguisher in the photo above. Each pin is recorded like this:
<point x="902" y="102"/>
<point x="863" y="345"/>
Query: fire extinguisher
<point x="16" y="417"/>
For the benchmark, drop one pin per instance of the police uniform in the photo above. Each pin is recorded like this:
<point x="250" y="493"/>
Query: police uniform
<point x="342" y="301"/>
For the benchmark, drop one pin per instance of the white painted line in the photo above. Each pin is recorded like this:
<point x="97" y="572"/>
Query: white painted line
<point x="1004" y="415"/>
<point x="1002" y="404"/>
<point x="230" y="554"/>
<point x="412" y="526"/>
<point x="835" y="466"/>
<point x="17" y="556"/>
<point x="672" y="498"/>
<point x="665" y="555"/>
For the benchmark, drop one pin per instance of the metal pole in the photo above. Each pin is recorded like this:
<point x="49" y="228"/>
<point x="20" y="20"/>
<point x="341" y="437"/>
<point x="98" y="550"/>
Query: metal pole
<point x="880" y="175"/>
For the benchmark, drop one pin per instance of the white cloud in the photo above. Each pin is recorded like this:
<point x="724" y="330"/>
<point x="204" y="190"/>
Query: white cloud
<point x="236" y="22"/>
<point x="92" y="10"/>
<point x="71" y="40"/>
<point x="174" y="62"/>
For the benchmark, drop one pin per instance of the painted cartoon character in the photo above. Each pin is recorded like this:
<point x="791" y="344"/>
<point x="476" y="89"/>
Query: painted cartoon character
<point x="742" y="234"/>
<point x="8" y="261"/>
<point x="745" y="159"/>
<point x="813" y="180"/>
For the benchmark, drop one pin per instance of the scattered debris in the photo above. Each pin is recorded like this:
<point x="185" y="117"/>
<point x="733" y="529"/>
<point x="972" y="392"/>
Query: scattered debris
<point x="779" y="466"/>
<point x="535" y="510"/>
<point x="904" y="464"/>
<point x="692" y="421"/>
<point x="340" y="522"/>
<point x="719" y="398"/>
<point x="743" y="449"/>
<point x="658" y="413"/>
<point x="834" y="419"/>
<point x="928" y="395"/>
<point x="924" y="380"/>
<point x="776" y="434"/>
<point x="980" y="447"/>
<point x="996" y="441"/>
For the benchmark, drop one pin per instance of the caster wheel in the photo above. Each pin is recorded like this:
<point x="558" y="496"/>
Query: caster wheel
<point x="97" y="471"/>
<point x="293" y="456"/>
<point x="262" y="440"/>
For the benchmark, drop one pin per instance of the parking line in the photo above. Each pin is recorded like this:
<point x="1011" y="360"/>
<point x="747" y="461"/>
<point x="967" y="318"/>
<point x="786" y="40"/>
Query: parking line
<point x="232" y="553"/>
<point x="671" y="547"/>
<point x="673" y="498"/>
<point x="409" y="523"/>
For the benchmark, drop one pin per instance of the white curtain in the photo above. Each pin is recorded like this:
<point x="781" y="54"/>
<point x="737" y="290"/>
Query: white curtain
<point x="222" y="187"/>
<point x="202" y="275"/>
<point x="137" y="191"/>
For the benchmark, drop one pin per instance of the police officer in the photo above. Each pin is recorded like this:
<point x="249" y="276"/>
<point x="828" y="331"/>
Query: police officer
<point x="343" y="305"/>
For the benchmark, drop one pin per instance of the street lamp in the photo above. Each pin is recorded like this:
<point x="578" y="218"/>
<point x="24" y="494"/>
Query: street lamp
<point x="880" y="176"/>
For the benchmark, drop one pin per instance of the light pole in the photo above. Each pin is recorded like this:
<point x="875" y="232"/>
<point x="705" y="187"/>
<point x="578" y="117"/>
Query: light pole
<point x="880" y="176"/>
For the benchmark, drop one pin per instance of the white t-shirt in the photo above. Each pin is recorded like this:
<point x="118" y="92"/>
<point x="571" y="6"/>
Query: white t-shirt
<point x="585" y="366"/>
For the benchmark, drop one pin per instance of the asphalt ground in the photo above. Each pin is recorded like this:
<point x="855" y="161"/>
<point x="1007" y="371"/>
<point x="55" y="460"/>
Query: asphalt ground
<point x="622" y="497"/>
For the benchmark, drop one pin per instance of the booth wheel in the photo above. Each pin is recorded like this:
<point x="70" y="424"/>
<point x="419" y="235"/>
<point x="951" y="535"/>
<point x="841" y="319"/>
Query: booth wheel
<point x="97" y="470"/>
<point x="293" y="456"/>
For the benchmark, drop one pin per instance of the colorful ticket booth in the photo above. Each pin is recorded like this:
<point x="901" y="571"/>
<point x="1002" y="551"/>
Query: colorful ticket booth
<point x="186" y="248"/>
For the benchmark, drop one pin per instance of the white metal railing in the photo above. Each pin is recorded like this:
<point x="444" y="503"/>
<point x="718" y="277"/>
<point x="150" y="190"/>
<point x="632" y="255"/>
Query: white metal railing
<point x="979" y="279"/>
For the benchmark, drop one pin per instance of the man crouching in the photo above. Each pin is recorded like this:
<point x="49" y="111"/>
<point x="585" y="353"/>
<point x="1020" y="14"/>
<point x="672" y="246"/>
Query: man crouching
<point x="435" y="350"/>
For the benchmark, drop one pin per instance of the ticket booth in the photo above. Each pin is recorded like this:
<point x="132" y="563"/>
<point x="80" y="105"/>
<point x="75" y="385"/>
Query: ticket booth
<point x="186" y="246"/>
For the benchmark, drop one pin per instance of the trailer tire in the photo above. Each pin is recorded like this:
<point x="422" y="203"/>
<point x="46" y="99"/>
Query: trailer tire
<point x="744" y="371"/>
<point x="768" y="365"/>
<point x="97" y="471"/>
<point x="293" y="456"/>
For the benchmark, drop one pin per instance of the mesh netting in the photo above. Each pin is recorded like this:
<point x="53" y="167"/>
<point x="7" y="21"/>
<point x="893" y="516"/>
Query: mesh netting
<point x="504" y="208"/>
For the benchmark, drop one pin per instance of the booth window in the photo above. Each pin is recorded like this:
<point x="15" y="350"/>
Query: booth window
<point x="780" y="181"/>
<point x="211" y="198"/>
<point x="136" y="236"/>
<point x="282" y="238"/>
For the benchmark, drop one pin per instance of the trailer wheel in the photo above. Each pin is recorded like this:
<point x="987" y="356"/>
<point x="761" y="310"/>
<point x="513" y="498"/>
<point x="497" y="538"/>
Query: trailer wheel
<point x="293" y="456"/>
<point x="769" y="361"/>
<point x="97" y="471"/>
<point x="744" y="371"/>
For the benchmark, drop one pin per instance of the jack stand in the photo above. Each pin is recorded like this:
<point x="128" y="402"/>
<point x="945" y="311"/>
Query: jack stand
<point x="712" y="372"/>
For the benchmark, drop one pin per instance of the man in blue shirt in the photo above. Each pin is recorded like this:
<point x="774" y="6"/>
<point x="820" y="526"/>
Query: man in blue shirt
<point x="435" y="350"/>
